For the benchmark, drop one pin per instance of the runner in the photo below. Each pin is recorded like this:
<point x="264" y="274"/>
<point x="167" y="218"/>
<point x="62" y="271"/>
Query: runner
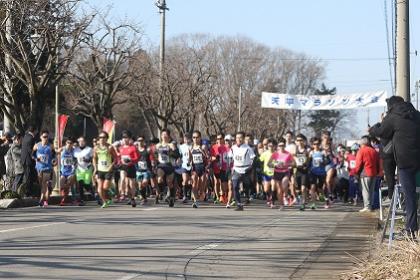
<point x="166" y="152"/>
<point x="104" y="158"/>
<point x="268" y="172"/>
<point x="144" y="167"/>
<point x="243" y="157"/>
<point x="198" y="158"/>
<point x="301" y="168"/>
<point x="219" y="154"/>
<point x="291" y="148"/>
<point x="67" y="170"/>
<point x="229" y="164"/>
<point x="317" y="170"/>
<point x="282" y="161"/>
<point x="44" y="157"/>
<point x="128" y="158"/>
<point x="330" y="163"/>
<point x="354" y="192"/>
<point x="185" y="150"/>
<point x="84" y="170"/>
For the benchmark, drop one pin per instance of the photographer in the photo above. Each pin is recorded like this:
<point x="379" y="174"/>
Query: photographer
<point x="402" y="125"/>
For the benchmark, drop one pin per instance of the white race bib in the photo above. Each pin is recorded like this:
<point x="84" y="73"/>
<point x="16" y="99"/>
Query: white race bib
<point x="142" y="165"/>
<point x="163" y="158"/>
<point x="197" y="158"/>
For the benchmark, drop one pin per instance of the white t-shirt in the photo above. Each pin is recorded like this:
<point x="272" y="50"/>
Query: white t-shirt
<point x="291" y="148"/>
<point x="243" y="157"/>
<point x="184" y="150"/>
<point x="84" y="157"/>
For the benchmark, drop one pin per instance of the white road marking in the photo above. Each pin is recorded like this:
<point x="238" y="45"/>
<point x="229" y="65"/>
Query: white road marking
<point x="129" y="277"/>
<point x="24" y="228"/>
<point x="149" y="209"/>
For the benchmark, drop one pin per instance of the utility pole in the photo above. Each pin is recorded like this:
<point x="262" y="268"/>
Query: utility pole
<point x="6" y="121"/>
<point x="403" y="50"/>
<point x="417" y="94"/>
<point x="239" y="108"/>
<point x="161" y="4"/>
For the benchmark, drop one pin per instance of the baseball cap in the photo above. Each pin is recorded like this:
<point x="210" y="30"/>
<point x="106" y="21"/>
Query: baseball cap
<point x="228" y="137"/>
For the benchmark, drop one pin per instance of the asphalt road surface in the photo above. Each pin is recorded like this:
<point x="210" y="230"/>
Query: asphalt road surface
<point x="157" y="242"/>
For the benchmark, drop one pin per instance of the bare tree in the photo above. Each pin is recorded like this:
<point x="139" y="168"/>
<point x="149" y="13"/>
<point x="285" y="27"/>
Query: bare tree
<point x="38" y="43"/>
<point x="104" y="70"/>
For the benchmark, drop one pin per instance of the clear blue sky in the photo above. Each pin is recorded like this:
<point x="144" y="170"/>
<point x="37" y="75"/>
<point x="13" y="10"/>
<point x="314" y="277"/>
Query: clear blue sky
<point x="328" y="29"/>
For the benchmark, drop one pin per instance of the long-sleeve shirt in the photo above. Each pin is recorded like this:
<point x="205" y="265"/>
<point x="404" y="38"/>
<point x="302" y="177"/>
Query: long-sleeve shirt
<point x="367" y="162"/>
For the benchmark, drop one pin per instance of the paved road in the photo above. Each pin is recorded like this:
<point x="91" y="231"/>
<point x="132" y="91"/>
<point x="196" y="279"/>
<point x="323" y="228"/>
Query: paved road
<point x="156" y="242"/>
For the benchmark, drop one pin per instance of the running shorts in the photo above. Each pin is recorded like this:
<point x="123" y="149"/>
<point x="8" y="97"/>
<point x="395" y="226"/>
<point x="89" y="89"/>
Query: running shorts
<point x="167" y="169"/>
<point x="301" y="178"/>
<point x="278" y="176"/>
<point x="130" y="170"/>
<point x="317" y="180"/>
<point x="222" y="176"/>
<point x="84" y="176"/>
<point x="199" y="169"/>
<point x="185" y="171"/>
<point x="105" y="175"/>
<point x="143" y="175"/>
<point x="267" y="178"/>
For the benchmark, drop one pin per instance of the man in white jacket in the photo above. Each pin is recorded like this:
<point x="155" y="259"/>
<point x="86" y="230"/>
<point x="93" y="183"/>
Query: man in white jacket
<point x="243" y="157"/>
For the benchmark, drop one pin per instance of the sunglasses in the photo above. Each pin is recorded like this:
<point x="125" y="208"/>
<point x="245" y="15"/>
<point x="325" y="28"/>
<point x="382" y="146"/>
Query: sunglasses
<point x="44" y="136"/>
<point x="299" y="140"/>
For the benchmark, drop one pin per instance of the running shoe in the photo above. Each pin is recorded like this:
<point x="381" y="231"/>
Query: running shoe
<point x="233" y="203"/>
<point x="286" y="201"/>
<point x="171" y="201"/>
<point x="63" y="202"/>
<point x="105" y="205"/>
<point x="195" y="205"/>
<point x="313" y="206"/>
<point x="327" y="204"/>
<point x="222" y="199"/>
<point x="240" y="207"/>
<point x="157" y="200"/>
<point x="272" y="206"/>
<point x="321" y="198"/>
<point x="281" y="207"/>
<point x="302" y="207"/>
<point x="216" y="201"/>
<point x="109" y="202"/>
<point x="41" y="203"/>
<point x="228" y="206"/>
<point x="45" y="204"/>
<point x="184" y="200"/>
<point x="365" y="209"/>
<point x="133" y="202"/>
<point x="82" y="203"/>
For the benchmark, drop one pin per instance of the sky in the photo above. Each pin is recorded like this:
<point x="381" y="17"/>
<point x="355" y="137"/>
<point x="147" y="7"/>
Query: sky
<point x="349" y="35"/>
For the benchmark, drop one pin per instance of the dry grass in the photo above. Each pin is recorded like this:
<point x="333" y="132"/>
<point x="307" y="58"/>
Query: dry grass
<point x="402" y="262"/>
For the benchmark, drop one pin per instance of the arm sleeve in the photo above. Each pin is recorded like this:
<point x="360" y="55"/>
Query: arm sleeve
<point x="384" y="129"/>
<point x="359" y="163"/>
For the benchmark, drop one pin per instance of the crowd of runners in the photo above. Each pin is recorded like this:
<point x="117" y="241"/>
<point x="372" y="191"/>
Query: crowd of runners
<point x="231" y="171"/>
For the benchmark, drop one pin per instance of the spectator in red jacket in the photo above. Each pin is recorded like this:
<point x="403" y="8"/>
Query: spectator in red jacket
<point x="367" y="169"/>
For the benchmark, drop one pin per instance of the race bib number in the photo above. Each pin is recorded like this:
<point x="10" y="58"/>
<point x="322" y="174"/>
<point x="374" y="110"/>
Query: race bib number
<point x="239" y="158"/>
<point x="352" y="164"/>
<point x="163" y="158"/>
<point x="317" y="162"/>
<point x="126" y="158"/>
<point x="43" y="158"/>
<point x="301" y="160"/>
<point x="197" y="158"/>
<point x="142" y="165"/>
<point x="68" y="161"/>
<point x="280" y="164"/>
<point x="103" y="164"/>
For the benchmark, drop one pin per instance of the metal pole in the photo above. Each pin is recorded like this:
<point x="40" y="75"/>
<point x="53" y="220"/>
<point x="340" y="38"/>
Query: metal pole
<point x="417" y="94"/>
<point x="403" y="50"/>
<point x="6" y="121"/>
<point x="84" y="126"/>
<point x="161" y="4"/>
<point x="239" y="108"/>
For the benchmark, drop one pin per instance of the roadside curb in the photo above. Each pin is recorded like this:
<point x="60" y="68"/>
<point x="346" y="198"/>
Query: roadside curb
<point x="17" y="203"/>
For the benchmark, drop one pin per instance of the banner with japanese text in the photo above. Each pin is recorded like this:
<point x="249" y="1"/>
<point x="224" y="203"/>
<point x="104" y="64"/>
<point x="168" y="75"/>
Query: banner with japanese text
<point x="323" y="102"/>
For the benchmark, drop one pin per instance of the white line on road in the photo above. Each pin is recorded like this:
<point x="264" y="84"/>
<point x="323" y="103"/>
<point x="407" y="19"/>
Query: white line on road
<point x="129" y="277"/>
<point x="23" y="228"/>
<point x="149" y="209"/>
